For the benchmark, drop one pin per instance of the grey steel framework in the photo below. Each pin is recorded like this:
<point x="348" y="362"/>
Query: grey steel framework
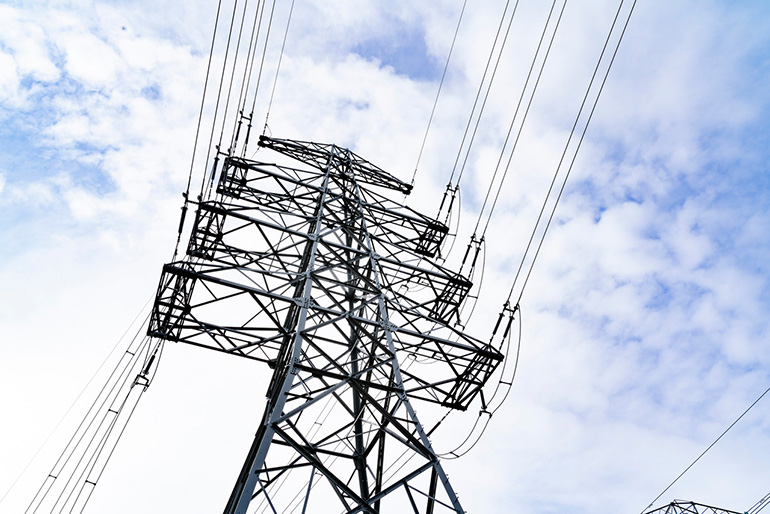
<point x="686" y="507"/>
<point x="311" y="269"/>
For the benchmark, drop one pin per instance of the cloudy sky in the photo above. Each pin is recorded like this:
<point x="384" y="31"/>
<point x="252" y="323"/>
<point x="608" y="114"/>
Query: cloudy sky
<point x="644" y="325"/>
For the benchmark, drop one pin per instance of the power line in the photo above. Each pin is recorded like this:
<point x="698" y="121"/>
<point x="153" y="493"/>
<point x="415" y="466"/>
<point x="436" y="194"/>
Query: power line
<point x="524" y="119"/>
<point x="478" y="93"/>
<point x="278" y="68"/>
<point x="186" y="194"/>
<point x="232" y="80"/>
<point x="246" y="81"/>
<point x="486" y="93"/>
<point x="204" y="190"/>
<point x="507" y="310"/>
<point x="760" y="505"/>
<point x="452" y="189"/>
<point x="82" y="391"/>
<point x="574" y="156"/>
<point x="261" y="68"/>
<point x="438" y="93"/>
<point x="477" y="242"/>
<point x="706" y="451"/>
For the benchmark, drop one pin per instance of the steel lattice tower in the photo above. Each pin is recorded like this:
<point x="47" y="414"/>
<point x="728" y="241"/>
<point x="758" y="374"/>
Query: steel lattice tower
<point x="311" y="269"/>
<point x="688" y="507"/>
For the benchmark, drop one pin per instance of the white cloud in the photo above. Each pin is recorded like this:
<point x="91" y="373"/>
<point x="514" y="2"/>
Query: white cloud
<point x="10" y="79"/>
<point x="644" y="320"/>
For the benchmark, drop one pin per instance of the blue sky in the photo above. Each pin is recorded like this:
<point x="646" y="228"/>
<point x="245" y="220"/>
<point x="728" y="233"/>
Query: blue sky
<point x="645" y="327"/>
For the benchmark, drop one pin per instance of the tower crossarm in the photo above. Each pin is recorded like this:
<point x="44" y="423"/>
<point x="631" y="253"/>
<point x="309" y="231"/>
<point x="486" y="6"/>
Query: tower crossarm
<point x="391" y="223"/>
<point x="317" y="155"/>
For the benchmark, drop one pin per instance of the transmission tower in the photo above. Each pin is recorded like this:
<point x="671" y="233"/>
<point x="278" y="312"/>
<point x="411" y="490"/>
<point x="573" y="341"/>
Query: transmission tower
<point x="688" y="507"/>
<point x="308" y="267"/>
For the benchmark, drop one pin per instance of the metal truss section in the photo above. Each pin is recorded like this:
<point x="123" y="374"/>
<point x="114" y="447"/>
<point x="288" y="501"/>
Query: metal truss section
<point x="318" y="156"/>
<point x="312" y="270"/>
<point x="686" y="507"/>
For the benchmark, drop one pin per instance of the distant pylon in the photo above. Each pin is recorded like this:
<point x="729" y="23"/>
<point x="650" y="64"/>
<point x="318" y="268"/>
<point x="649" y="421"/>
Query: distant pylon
<point x="307" y="266"/>
<point x="688" y="507"/>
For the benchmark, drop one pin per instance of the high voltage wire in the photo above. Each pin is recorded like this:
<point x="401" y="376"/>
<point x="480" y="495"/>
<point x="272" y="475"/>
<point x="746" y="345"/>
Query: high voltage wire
<point x="278" y="67"/>
<point x="246" y="81"/>
<point x="111" y="399"/>
<point x="216" y="110"/>
<point x="82" y="391"/>
<point x="452" y="189"/>
<point x="475" y="244"/>
<point x="507" y="310"/>
<point x="515" y="114"/>
<point x="438" y="93"/>
<point x="186" y="194"/>
<point x="759" y="505"/>
<point x="232" y="79"/>
<point x="478" y="242"/>
<point x="481" y="87"/>
<point x="248" y="68"/>
<point x="486" y="94"/>
<point x="574" y="155"/>
<point x="261" y="64"/>
<point x="230" y="69"/>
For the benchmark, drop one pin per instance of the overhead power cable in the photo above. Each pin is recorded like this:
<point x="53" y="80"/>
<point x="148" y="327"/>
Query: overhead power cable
<point x="186" y="194"/>
<point x="278" y="67"/>
<point x="438" y="93"/>
<point x="233" y="73"/>
<point x="508" y="313"/>
<point x="474" y="246"/>
<point x="452" y="187"/>
<point x="706" y="451"/>
<point x="204" y="189"/>
<point x="760" y="505"/>
<point x="261" y="65"/>
<point x="76" y="472"/>
<point x="246" y="80"/>
<point x="564" y="155"/>
<point x="524" y="118"/>
<point x="77" y="399"/>
<point x="486" y="95"/>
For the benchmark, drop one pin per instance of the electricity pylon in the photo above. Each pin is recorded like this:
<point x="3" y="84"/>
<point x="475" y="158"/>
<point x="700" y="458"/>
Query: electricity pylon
<point x="688" y="507"/>
<point x="308" y="267"/>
